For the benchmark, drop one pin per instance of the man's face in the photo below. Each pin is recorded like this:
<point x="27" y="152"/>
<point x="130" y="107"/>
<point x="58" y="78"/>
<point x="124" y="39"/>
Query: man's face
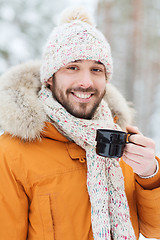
<point x="79" y="87"/>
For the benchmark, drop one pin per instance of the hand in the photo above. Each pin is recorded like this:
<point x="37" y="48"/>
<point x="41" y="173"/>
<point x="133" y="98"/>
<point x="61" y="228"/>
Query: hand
<point x="140" y="153"/>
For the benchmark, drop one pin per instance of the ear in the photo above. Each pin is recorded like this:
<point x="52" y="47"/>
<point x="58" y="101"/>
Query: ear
<point x="49" y="82"/>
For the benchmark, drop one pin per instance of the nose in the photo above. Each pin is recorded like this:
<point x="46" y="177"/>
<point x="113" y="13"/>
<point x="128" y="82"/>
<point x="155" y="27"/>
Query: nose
<point x="85" y="80"/>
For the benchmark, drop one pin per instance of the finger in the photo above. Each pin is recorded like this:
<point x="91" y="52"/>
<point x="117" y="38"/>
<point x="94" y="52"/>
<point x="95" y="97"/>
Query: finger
<point x="135" y="149"/>
<point x="133" y="157"/>
<point x="132" y="129"/>
<point x="146" y="152"/>
<point x="142" y="141"/>
<point x="137" y="168"/>
<point x="143" y="168"/>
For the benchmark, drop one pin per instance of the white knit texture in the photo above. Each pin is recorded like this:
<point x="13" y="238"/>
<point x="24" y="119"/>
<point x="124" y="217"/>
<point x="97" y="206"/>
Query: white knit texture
<point x="72" y="41"/>
<point x="109" y="207"/>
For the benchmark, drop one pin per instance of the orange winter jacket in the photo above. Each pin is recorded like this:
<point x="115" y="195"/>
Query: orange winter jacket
<point x="43" y="192"/>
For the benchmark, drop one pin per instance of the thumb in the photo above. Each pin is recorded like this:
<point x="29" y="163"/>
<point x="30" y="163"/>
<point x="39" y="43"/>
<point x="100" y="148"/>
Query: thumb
<point x="133" y="129"/>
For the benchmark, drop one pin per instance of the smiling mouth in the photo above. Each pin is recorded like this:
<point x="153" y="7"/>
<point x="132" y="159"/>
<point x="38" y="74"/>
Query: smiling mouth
<point x="81" y="95"/>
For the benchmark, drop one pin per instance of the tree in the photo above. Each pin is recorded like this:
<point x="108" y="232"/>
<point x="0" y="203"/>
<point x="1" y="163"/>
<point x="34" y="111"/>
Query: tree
<point x="132" y="29"/>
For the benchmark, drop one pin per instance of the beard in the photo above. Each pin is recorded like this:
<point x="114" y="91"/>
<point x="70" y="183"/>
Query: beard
<point x="83" y="110"/>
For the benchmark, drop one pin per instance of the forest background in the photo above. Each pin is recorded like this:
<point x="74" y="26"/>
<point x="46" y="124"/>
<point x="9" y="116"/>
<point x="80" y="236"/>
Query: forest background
<point x="131" y="27"/>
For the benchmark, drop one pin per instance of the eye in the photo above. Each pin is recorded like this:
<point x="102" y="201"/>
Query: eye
<point x="97" y="70"/>
<point x="74" y="68"/>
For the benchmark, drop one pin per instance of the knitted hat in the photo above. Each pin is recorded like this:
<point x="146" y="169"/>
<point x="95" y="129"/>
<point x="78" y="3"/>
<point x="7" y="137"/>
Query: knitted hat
<point x="76" y="38"/>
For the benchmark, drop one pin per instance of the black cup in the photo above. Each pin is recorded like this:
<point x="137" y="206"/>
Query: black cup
<point x="111" y="143"/>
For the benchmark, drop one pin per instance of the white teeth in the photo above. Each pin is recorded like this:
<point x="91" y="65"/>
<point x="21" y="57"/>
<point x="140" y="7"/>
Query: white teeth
<point x="82" y="95"/>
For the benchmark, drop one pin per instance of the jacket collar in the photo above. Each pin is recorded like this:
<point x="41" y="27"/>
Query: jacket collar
<point x="21" y="112"/>
<point x="49" y="131"/>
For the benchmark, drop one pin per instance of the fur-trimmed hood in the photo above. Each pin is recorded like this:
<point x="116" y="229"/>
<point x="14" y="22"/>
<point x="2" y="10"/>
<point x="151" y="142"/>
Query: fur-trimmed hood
<point x="21" y="112"/>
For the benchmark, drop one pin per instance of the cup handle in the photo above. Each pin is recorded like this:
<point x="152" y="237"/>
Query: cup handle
<point x="128" y="136"/>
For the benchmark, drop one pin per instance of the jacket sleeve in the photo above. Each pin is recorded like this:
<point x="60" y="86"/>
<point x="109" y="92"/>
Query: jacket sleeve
<point x="148" y="204"/>
<point x="13" y="202"/>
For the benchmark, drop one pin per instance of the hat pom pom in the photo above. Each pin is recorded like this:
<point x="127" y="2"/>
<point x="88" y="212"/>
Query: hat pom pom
<point x="72" y="14"/>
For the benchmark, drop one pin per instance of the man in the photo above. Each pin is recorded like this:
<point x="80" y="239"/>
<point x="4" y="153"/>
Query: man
<point x="53" y="185"/>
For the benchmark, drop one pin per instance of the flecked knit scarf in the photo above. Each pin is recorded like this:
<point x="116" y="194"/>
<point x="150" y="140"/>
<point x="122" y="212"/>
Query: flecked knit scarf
<point x="109" y="207"/>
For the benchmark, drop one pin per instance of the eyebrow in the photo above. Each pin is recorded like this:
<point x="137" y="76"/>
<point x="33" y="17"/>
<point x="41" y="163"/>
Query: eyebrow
<point x="97" y="62"/>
